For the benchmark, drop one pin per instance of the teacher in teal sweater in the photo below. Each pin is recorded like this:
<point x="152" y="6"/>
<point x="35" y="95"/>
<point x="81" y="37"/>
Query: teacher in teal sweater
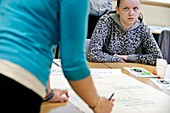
<point x="29" y="32"/>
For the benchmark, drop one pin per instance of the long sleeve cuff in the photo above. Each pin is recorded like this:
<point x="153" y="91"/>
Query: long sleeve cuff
<point x="131" y="57"/>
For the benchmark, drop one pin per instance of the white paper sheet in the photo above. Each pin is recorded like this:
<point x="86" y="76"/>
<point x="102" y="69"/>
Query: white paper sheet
<point x="131" y="96"/>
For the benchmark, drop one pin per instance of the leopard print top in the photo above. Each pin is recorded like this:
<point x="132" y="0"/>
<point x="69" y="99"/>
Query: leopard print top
<point x="109" y="38"/>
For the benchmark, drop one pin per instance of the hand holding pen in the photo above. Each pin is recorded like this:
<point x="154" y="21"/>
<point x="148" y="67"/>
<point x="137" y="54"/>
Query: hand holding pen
<point x="103" y="105"/>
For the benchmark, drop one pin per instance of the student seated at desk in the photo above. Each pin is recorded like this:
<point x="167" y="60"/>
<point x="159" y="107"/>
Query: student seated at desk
<point x="117" y="36"/>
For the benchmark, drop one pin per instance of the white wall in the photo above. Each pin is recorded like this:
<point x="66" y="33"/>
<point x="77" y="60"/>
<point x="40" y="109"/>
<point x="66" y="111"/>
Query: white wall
<point x="156" y="15"/>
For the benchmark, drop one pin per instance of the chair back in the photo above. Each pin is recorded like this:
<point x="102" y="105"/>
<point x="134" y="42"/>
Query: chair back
<point x="164" y="44"/>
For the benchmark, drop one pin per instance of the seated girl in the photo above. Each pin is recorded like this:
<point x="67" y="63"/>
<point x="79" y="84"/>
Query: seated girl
<point x="118" y="35"/>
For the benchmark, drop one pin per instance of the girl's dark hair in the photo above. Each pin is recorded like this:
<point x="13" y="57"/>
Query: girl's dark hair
<point x="118" y="3"/>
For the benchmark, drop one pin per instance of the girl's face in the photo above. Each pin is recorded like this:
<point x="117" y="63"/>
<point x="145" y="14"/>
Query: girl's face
<point x="129" y="11"/>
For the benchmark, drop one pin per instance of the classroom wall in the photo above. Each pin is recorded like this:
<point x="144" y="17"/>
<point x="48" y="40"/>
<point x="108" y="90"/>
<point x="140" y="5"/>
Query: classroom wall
<point x="154" y="15"/>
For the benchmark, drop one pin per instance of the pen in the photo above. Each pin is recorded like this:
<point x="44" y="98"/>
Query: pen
<point x="111" y="96"/>
<point x="56" y="64"/>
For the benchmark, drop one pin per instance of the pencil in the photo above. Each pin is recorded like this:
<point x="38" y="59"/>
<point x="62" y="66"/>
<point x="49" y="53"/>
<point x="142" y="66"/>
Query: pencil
<point x="56" y="64"/>
<point x="111" y="96"/>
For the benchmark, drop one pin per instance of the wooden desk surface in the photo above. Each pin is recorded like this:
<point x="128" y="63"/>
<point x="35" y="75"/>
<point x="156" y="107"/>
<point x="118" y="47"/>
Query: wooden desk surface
<point x="97" y="65"/>
<point x="46" y="107"/>
<point x="144" y="80"/>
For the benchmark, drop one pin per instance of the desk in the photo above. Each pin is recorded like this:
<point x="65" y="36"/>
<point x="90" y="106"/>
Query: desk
<point x="158" y="29"/>
<point x="46" y="107"/>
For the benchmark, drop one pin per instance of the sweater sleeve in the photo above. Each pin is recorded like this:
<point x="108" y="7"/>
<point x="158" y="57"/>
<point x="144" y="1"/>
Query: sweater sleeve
<point x="73" y="30"/>
<point x="151" y="48"/>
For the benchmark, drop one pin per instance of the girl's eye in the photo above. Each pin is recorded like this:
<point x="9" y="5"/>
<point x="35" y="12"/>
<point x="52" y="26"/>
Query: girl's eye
<point x="125" y="9"/>
<point x="135" y="8"/>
